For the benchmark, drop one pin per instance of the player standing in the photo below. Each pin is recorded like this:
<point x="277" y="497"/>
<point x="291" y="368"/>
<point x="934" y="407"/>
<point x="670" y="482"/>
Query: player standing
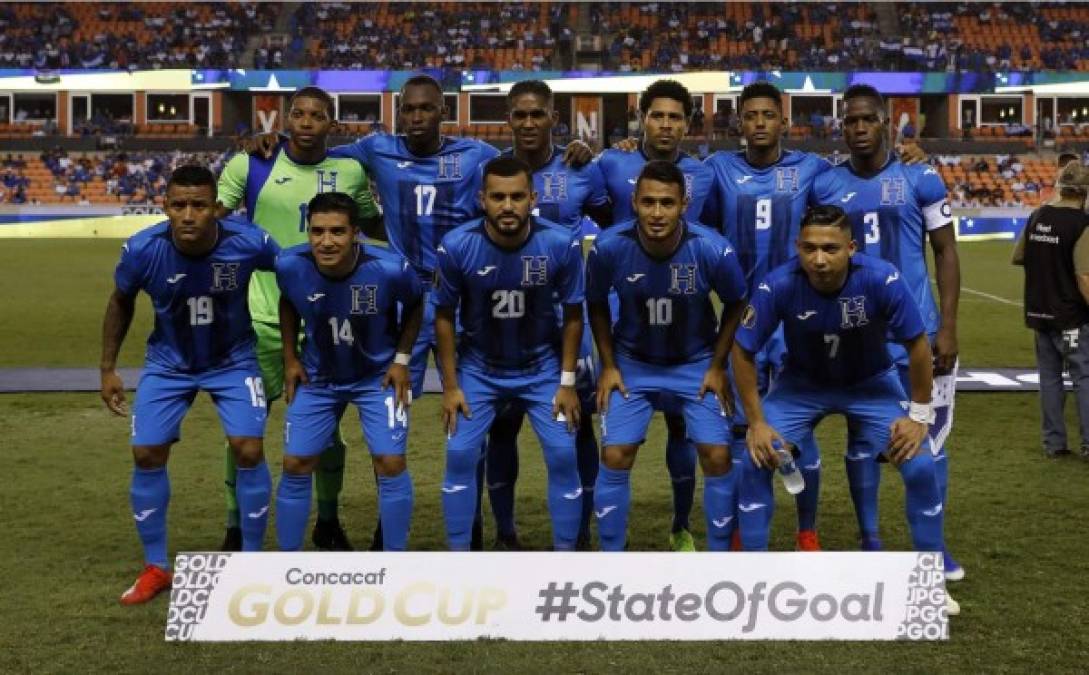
<point x="506" y="276"/>
<point x="356" y="352"/>
<point x="275" y="191"/>
<point x="196" y="270"/>
<point x="666" y="107"/>
<point x="666" y="340"/>
<point x="838" y="310"/>
<point x="894" y="210"/>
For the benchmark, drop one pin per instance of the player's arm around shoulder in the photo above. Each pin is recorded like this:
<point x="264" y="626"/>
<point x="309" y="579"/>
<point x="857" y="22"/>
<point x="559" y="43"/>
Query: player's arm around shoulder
<point x="941" y="231"/>
<point x="231" y="189"/>
<point x="410" y="295"/>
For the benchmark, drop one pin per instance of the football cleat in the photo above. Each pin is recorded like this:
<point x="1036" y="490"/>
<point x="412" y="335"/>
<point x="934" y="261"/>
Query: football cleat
<point x="953" y="570"/>
<point x="1055" y="453"/>
<point x="328" y="535"/>
<point x="232" y="539"/>
<point x="869" y="542"/>
<point x="681" y="541"/>
<point x="735" y="540"/>
<point x="952" y="607"/>
<point x="152" y="581"/>
<point x="806" y="540"/>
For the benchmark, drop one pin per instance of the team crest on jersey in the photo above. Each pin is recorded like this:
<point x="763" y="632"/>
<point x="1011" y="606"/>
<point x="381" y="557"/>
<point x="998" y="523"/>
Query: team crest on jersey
<point x="365" y="299"/>
<point x="748" y="318"/>
<point x="553" y="187"/>
<point x="534" y="270"/>
<point x="893" y="191"/>
<point x="682" y="278"/>
<point x="787" y="179"/>
<point x="853" y="312"/>
<point x="327" y="180"/>
<point x="224" y="277"/>
<point x="450" y="166"/>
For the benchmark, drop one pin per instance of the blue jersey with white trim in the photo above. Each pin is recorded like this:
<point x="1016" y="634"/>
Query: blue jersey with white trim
<point x="564" y="193"/>
<point x="202" y="317"/>
<point x="621" y="171"/>
<point x="836" y="339"/>
<point x="666" y="316"/>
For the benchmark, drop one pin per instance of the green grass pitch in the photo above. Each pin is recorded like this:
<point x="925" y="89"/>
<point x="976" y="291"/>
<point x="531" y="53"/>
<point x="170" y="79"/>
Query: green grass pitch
<point x="1015" y="520"/>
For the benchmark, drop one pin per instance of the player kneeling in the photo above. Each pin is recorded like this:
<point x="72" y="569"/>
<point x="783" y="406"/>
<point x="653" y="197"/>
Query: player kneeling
<point x="196" y="269"/>
<point x="667" y="345"/>
<point x="837" y="309"/>
<point x="355" y="351"/>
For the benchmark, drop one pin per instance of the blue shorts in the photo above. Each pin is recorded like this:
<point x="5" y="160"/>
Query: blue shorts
<point x="667" y="388"/>
<point x="795" y="405"/>
<point x="487" y="392"/>
<point x="312" y="418"/>
<point x="163" y="397"/>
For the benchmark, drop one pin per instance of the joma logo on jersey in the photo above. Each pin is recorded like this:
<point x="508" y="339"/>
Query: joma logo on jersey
<point x="534" y="270"/>
<point x="893" y="191"/>
<point x="682" y="278"/>
<point x="553" y="187"/>
<point x="326" y="184"/>
<point x="450" y="166"/>
<point x="365" y="299"/>
<point x="787" y="179"/>
<point x="224" y="276"/>
<point x="853" y="312"/>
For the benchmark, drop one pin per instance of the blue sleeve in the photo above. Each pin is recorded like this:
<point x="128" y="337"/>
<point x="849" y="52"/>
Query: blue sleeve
<point x="572" y="286"/>
<point x="727" y="277"/>
<point x="898" y="306"/>
<point x="409" y="289"/>
<point x="129" y="274"/>
<point x="448" y="279"/>
<point x="759" y="320"/>
<point x="359" y="150"/>
<point x="929" y="188"/>
<point x="711" y="215"/>
<point x="283" y="272"/>
<point x="270" y="251"/>
<point x="702" y="184"/>
<point x="598" y="275"/>
<point x="598" y="195"/>
<point x="821" y="189"/>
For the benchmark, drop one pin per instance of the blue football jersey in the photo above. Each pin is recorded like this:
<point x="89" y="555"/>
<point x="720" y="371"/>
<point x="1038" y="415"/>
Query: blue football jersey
<point x="890" y="214"/>
<point x="202" y="316"/>
<point x="351" y="324"/>
<point x="666" y="316"/>
<point x="422" y="198"/>
<point x="833" y="339"/>
<point x="564" y="192"/>
<point x="621" y="170"/>
<point x="510" y="301"/>
<point x="759" y="210"/>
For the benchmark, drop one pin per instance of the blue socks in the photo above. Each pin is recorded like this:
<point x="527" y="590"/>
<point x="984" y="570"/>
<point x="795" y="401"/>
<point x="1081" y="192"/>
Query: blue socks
<point x="292" y="510"/>
<point x="612" y="501"/>
<point x="681" y="462"/>
<point x="564" y="496"/>
<point x="395" y="510"/>
<point x="254" y="487"/>
<point x="755" y="505"/>
<point x="924" y="505"/>
<point x="149" y="495"/>
<point x="719" y="505"/>
<point x="864" y="480"/>
<point x="809" y="463"/>
<point x="588" y="462"/>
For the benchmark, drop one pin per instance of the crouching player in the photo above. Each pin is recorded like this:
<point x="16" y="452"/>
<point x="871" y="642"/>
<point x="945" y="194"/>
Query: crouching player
<point x="837" y="308"/>
<point x="666" y="341"/>
<point x="196" y="269"/>
<point x="356" y="350"/>
<point x="510" y="274"/>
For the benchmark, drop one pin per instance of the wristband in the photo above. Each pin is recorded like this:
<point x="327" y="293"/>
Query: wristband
<point x="567" y="378"/>
<point x="921" y="413"/>
<point x="402" y="359"/>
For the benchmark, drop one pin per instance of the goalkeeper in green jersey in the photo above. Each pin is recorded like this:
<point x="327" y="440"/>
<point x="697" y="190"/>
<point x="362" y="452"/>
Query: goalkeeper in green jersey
<point x="275" y="193"/>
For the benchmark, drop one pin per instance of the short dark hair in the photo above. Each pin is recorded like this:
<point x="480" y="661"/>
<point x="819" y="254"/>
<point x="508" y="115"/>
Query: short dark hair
<point x="1065" y="158"/>
<point x="827" y="215"/>
<point x="192" y="175"/>
<point x="671" y="89"/>
<point x="333" y="202"/>
<point x="662" y="171"/>
<point x="507" y="166"/>
<point x="760" y="89"/>
<point x="534" y="87"/>
<point x="421" y="80"/>
<point x="864" y="91"/>
<point x="315" y="93"/>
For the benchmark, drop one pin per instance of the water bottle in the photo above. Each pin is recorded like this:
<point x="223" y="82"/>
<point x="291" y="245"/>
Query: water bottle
<point x="793" y="480"/>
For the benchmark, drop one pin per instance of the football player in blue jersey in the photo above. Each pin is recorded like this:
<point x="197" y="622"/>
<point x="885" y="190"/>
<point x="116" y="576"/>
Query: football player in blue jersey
<point x="196" y="270"/>
<point x="838" y="309"/>
<point x="665" y="340"/>
<point x="565" y="195"/>
<point x="356" y="351"/>
<point x="515" y="283"/>
<point x="666" y="108"/>
<point x="894" y="210"/>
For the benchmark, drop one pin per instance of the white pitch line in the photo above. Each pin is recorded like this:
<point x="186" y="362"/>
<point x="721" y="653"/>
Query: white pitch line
<point x="996" y="298"/>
